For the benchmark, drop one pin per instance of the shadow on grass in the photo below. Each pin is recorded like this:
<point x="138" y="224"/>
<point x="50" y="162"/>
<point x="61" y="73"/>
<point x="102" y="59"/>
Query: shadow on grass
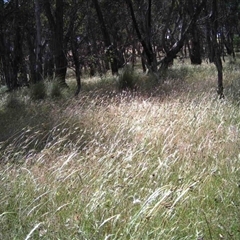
<point x="175" y="81"/>
<point x="12" y="117"/>
<point x="28" y="128"/>
<point x="179" y="80"/>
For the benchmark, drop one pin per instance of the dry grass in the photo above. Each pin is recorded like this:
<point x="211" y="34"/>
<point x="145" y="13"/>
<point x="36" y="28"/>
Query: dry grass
<point x="146" y="165"/>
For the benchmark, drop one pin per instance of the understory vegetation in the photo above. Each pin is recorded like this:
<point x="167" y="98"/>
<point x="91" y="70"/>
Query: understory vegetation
<point x="156" y="161"/>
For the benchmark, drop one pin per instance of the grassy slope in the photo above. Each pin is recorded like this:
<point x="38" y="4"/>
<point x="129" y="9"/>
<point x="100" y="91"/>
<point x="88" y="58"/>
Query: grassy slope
<point x="159" y="165"/>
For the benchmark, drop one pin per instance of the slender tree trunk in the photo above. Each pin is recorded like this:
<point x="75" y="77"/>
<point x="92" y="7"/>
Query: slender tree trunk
<point x="228" y="42"/>
<point x="195" y="50"/>
<point x="59" y="55"/>
<point x="77" y="64"/>
<point x="171" y="54"/>
<point x="216" y="51"/>
<point x="11" y="47"/>
<point x="111" y="52"/>
<point x="218" y="64"/>
<point x="6" y="63"/>
<point x="38" y="48"/>
<point x="147" y="46"/>
<point x="48" y="63"/>
<point x="17" y="49"/>
<point x="57" y="41"/>
<point x="60" y="64"/>
<point x="5" y="59"/>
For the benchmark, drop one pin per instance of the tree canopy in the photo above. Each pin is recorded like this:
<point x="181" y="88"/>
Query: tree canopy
<point x="41" y="39"/>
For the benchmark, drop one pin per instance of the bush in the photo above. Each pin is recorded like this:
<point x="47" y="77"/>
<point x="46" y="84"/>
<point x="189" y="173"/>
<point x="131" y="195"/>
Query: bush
<point x="38" y="91"/>
<point x="127" y="79"/>
<point x="14" y="103"/>
<point x="54" y="90"/>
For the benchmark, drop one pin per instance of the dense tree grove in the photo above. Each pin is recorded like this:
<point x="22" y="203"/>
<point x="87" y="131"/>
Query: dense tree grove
<point x="40" y="39"/>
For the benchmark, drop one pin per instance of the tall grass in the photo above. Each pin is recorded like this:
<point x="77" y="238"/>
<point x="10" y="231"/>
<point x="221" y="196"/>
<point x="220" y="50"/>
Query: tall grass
<point x="125" y="166"/>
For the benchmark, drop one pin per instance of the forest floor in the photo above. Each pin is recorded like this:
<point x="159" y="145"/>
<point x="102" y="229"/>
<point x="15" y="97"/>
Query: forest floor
<point x="160" y="162"/>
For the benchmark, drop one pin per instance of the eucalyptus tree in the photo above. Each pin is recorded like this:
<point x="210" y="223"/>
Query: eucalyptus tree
<point x="5" y="45"/>
<point x="179" y="22"/>
<point x="62" y="19"/>
<point x="38" y="47"/>
<point x="76" y="38"/>
<point x="229" y="12"/>
<point x="194" y="39"/>
<point x="144" y="36"/>
<point x="111" y="51"/>
<point x="14" y="17"/>
<point x="175" y="23"/>
<point x="117" y="22"/>
<point x="55" y="17"/>
<point x="213" y="35"/>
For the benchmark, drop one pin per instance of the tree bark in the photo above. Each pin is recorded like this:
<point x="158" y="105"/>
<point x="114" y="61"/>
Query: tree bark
<point x="146" y="44"/>
<point x="195" y="49"/>
<point x="56" y="25"/>
<point x="38" y="48"/>
<point x="111" y="52"/>
<point x="195" y="46"/>
<point x="216" y="51"/>
<point x="77" y="64"/>
<point x="171" y="54"/>
<point x="17" y="52"/>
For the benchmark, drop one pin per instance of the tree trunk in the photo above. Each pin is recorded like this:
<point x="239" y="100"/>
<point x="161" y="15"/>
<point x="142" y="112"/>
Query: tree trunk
<point x="111" y="51"/>
<point x="171" y="54"/>
<point x="57" y="44"/>
<point x="38" y="48"/>
<point x="228" y="42"/>
<point x="147" y="46"/>
<point x="218" y="64"/>
<point x="48" y="63"/>
<point x="17" y="50"/>
<point x="5" y="59"/>
<point x="60" y="65"/>
<point x="59" y="53"/>
<point x="77" y="64"/>
<point x="216" y="51"/>
<point x="186" y="27"/>
<point x="210" y="51"/>
<point x="195" y="50"/>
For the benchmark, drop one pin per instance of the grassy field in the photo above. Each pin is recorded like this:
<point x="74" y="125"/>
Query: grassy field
<point x="162" y="162"/>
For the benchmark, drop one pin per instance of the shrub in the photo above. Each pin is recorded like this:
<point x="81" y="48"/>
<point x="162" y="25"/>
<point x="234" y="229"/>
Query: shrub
<point x="54" y="90"/>
<point x="127" y="79"/>
<point x="38" y="91"/>
<point x="14" y="103"/>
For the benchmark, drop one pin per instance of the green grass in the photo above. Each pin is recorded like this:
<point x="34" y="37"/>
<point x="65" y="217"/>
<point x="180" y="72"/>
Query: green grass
<point x="159" y="163"/>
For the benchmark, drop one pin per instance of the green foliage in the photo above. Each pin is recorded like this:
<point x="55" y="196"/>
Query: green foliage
<point x="54" y="89"/>
<point x="14" y="103"/>
<point x="42" y="90"/>
<point x="38" y="91"/>
<point x="127" y="79"/>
